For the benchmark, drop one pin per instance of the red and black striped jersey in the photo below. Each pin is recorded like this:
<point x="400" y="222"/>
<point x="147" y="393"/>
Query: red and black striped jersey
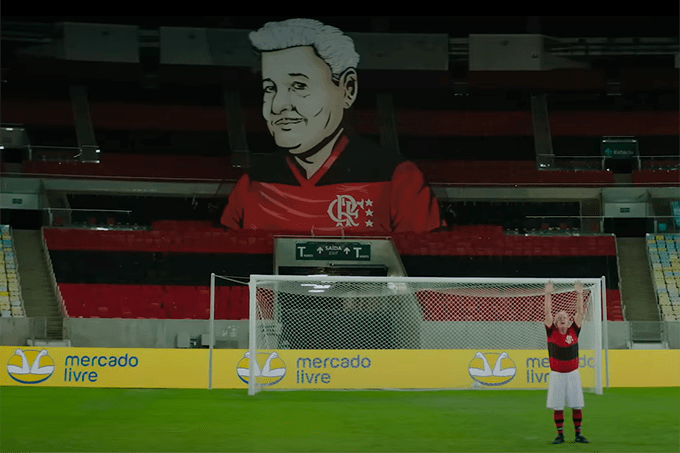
<point x="361" y="187"/>
<point x="563" y="349"/>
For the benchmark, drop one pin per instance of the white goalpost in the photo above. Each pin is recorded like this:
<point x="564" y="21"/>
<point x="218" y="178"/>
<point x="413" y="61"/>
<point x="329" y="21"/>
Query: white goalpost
<point x="342" y="332"/>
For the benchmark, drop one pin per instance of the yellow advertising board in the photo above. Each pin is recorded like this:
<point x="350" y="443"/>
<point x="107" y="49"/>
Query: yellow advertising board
<point x="644" y="368"/>
<point x="320" y="369"/>
<point x="104" y="367"/>
<point x="402" y="369"/>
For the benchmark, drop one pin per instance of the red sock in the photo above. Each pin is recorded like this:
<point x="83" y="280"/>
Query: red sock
<point x="559" y="420"/>
<point x="577" y="416"/>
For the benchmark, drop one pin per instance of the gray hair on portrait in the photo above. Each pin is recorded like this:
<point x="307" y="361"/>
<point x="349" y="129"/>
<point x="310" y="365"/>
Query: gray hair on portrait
<point x="334" y="47"/>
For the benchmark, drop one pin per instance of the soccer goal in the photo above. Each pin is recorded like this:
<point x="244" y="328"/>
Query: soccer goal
<point x="342" y="332"/>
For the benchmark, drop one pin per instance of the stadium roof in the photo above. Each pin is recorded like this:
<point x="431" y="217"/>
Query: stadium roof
<point x="454" y="26"/>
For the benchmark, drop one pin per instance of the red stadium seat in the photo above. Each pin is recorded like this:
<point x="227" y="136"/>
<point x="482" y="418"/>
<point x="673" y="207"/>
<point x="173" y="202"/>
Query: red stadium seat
<point x="245" y="302"/>
<point x="222" y="295"/>
<point x="76" y="310"/>
<point x="235" y="302"/>
<point x="657" y="177"/>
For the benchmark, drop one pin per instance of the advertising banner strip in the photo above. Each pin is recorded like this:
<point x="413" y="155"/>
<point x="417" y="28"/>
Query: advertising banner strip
<point x="104" y="367"/>
<point x="320" y="369"/>
<point x="405" y="369"/>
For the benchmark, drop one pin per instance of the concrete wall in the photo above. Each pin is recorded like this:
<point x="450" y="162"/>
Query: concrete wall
<point x="15" y="331"/>
<point x="673" y="334"/>
<point x="152" y="333"/>
<point x="618" y="333"/>
<point x="28" y="184"/>
<point x="159" y="333"/>
<point x="163" y="333"/>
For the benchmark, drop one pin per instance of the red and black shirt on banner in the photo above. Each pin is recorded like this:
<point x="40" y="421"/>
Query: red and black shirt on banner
<point x="361" y="188"/>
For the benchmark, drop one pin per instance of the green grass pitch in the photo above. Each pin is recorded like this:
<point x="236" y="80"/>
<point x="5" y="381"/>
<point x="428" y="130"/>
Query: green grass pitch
<point x="81" y="419"/>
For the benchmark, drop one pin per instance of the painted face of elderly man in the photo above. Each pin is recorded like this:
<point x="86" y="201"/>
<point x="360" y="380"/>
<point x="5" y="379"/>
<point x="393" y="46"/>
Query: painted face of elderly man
<point x="308" y="80"/>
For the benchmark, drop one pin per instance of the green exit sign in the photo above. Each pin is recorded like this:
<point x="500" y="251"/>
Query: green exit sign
<point x="17" y="201"/>
<point x="619" y="148"/>
<point x="346" y="251"/>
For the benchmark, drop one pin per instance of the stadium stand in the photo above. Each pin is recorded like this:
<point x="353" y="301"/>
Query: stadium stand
<point x="675" y="210"/>
<point x="507" y="172"/>
<point x="85" y="300"/>
<point x="142" y="166"/>
<point x="450" y="307"/>
<point x="518" y="217"/>
<point x="100" y="273"/>
<point x="484" y="137"/>
<point x="453" y="172"/>
<point x="656" y="177"/>
<point x="664" y="261"/>
<point x="11" y="302"/>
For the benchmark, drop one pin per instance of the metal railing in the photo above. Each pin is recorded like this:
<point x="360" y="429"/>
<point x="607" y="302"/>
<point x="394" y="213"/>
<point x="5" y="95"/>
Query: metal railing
<point x="54" y="153"/>
<point x="53" y="281"/>
<point x="554" y="224"/>
<point x="649" y="332"/>
<point x="15" y="266"/>
<point x="599" y="163"/>
<point x="659" y="162"/>
<point x="112" y="219"/>
<point x="102" y="219"/>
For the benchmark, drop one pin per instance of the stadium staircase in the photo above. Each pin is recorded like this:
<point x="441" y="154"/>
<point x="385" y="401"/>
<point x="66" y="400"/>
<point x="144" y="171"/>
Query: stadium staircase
<point x="637" y="293"/>
<point x="40" y="299"/>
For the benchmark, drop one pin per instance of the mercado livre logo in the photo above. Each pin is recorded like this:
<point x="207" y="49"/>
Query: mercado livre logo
<point x="81" y="368"/>
<point x="503" y="371"/>
<point x="268" y="366"/>
<point x="30" y="366"/>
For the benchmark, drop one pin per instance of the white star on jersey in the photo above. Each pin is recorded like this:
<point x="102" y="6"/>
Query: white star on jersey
<point x="344" y="210"/>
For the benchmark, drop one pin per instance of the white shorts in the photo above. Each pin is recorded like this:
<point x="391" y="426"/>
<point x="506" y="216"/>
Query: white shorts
<point x="564" y="389"/>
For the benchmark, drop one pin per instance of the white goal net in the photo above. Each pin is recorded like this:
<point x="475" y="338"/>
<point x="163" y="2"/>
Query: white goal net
<point x="332" y="332"/>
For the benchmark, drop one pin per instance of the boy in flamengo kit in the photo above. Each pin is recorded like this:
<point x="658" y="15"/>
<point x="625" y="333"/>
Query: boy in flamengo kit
<point x="564" y="388"/>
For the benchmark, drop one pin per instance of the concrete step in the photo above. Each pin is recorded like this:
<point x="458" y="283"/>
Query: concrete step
<point x="39" y="278"/>
<point x="43" y="308"/>
<point x="37" y="286"/>
<point x="45" y="342"/>
<point x="38" y="291"/>
<point x="650" y="345"/>
<point x="637" y="288"/>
